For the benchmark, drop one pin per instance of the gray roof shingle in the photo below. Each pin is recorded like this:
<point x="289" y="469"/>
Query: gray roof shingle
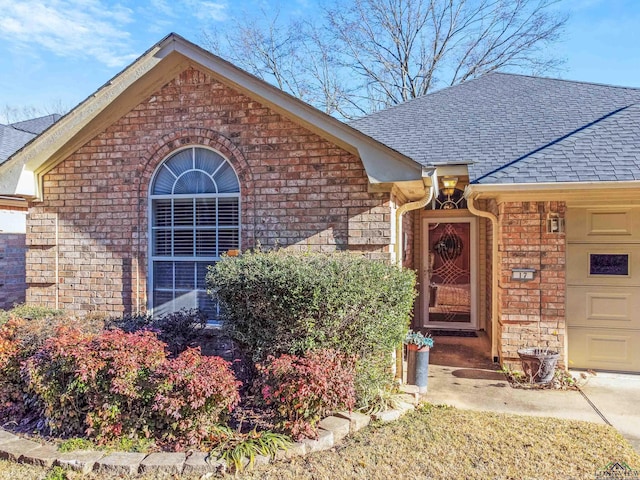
<point x="12" y="140"/>
<point x="516" y="128"/>
<point x="16" y="135"/>
<point x="607" y="150"/>
<point x="36" y="125"/>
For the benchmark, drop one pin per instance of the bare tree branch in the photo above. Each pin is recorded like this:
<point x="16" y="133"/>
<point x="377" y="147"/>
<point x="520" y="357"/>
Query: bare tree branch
<point x="10" y="114"/>
<point x="364" y="55"/>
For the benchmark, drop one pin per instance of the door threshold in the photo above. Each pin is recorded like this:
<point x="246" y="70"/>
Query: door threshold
<point x="452" y="333"/>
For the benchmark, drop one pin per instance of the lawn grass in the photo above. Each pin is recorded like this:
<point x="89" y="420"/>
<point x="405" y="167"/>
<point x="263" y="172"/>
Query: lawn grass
<point x="445" y="443"/>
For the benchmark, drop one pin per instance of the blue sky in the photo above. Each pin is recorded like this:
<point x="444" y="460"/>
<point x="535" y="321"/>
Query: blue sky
<point x="61" y="51"/>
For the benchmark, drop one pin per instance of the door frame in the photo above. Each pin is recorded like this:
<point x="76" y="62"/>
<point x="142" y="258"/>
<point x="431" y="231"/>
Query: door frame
<point x="473" y="267"/>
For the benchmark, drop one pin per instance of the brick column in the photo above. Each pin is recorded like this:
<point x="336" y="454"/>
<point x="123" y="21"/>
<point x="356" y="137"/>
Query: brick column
<point x="532" y="313"/>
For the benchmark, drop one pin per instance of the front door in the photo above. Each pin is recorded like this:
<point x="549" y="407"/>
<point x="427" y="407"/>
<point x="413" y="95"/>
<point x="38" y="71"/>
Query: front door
<point x="449" y="273"/>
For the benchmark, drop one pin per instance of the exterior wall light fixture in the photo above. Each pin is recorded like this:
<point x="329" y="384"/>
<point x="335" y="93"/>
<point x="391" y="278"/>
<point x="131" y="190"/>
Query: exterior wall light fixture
<point x="555" y="223"/>
<point x="449" y="185"/>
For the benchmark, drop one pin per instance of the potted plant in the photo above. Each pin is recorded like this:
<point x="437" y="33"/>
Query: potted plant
<point x="418" y="346"/>
<point x="539" y="363"/>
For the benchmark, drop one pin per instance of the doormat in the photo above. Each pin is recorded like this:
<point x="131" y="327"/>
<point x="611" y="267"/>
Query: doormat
<point x="453" y="333"/>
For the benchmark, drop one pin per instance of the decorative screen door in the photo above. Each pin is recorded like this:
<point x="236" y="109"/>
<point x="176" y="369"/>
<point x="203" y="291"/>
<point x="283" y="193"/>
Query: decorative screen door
<point x="449" y="273"/>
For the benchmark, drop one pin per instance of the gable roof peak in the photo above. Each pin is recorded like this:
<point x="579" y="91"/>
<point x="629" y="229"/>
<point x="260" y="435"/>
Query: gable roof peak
<point x="23" y="171"/>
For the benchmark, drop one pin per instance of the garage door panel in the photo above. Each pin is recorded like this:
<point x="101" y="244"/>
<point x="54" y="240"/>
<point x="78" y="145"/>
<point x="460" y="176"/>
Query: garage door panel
<point x="605" y="307"/>
<point x="583" y="264"/>
<point x="604" y="349"/>
<point x="615" y="224"/>
<point x="603" y="287"/>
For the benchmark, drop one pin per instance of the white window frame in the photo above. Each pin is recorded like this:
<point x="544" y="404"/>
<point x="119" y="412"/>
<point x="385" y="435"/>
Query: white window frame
<point x="211" y="259"/>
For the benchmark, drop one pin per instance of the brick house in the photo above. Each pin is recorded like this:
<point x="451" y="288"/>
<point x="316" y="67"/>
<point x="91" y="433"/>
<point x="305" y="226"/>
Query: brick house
<point x="12" y="213"/>
<point x="514" y="198"/>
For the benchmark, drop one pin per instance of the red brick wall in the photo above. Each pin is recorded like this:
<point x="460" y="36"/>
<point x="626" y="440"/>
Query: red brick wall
<point x="297" y="191"/>
<point x="12" y="269"/>
<point x="531" y="313"/>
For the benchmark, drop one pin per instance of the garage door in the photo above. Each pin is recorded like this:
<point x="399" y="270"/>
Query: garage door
<point x="603" y="288"/>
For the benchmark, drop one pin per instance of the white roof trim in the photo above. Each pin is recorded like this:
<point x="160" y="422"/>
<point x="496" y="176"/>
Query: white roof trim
<point x="544" y="186"/>
<point x="19" y="175"/>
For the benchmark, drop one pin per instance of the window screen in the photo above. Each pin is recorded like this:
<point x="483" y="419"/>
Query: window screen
<point x="195" y="218"/>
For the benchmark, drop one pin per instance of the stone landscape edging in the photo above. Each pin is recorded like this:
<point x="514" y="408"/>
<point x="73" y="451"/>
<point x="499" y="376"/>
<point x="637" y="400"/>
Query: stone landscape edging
<point x="332" y="430"/>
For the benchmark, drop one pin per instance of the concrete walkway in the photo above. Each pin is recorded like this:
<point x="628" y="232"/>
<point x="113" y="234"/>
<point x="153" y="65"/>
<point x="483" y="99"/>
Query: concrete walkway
<point x="461" y="376"/>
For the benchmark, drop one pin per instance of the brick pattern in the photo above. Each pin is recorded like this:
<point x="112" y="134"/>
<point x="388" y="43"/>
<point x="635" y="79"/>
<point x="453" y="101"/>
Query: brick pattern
<point x="12" y="269"/>
<point x="409" y="224"/>
<point x="297" y="191"/>
<point x="531" y="313"/>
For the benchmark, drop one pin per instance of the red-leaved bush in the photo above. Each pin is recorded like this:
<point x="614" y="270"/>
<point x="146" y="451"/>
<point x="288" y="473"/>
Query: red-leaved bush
<point x="11" y="403"/>
<point x="115" y="384"/>
<point x="19" y="339"/>
<point x="305" y="389"/>
<point x="193" y="395"/>
<point x="99" y="384"/>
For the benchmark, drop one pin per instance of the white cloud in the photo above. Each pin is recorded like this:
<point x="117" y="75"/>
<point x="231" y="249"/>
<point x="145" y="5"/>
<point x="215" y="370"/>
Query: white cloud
<point x="203" y="10"/>
<point x="212" y="11"/>
<point x="163" y="7"/>
<point x="69" y="28"/>
<point x="163" y="16"/>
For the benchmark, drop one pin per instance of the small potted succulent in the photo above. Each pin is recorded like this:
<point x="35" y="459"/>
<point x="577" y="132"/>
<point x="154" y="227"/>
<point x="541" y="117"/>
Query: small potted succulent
<point x="418" y="346"/>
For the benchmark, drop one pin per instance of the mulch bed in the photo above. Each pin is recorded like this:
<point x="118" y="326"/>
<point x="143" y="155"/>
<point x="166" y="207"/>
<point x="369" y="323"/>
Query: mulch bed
<point x="562" y="380"/>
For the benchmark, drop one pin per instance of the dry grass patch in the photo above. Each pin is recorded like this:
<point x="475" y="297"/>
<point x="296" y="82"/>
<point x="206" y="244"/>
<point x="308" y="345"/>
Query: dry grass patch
<point x="445" y="443"/>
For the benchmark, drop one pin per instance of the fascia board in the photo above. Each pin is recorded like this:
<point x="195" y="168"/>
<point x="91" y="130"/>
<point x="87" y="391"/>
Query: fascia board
<point x="33" y="156"/>
<point x="381" y="163"/>
<point x="372" y="153"/>
<point x="552" y="191"/>
<point x="13" y="203"/>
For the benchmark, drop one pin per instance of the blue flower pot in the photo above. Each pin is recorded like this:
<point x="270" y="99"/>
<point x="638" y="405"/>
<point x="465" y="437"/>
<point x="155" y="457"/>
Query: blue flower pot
<point x="418" y="367"/>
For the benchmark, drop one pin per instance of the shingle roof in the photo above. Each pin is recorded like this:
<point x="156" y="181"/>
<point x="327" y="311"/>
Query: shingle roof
<point x="16" y="135"/>
<point x="512" y="122"/>
<point x="36" y="125"/>
<point x="12" y="140"/>
<point x="607" y="150"/>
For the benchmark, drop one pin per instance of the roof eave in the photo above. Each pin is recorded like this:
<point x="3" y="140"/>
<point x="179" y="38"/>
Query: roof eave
<point x="21" y="174"/>
<point x="394" y="167"/>
<point x="592" y="191"/>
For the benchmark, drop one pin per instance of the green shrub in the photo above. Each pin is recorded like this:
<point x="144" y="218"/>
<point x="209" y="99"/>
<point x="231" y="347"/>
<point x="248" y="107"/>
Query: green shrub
<point x="285" y="302"/>
<point x="303" y="390"/>
<point x="29" y="312"/>
<point x="374" y="379"/>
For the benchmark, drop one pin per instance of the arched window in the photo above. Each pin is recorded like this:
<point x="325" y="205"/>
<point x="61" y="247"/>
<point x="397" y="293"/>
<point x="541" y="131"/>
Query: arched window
<point x="195" y="218"/>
